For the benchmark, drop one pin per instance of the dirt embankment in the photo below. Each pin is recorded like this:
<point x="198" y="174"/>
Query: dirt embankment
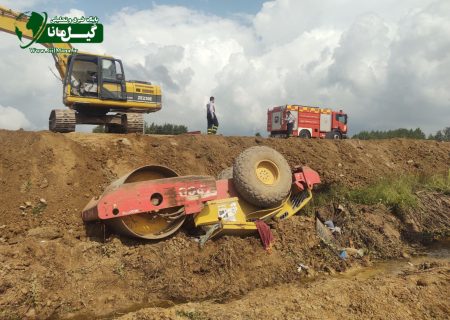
<point x="49" y="268"/>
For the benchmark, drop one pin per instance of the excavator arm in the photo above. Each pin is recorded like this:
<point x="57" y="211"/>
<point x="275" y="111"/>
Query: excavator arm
<point x="10" y="20"/>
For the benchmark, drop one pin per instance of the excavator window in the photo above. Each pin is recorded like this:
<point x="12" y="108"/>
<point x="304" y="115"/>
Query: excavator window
<point x="83" y="78"/>
<point x="113" y="84"/>
<point x="112" y="70"/>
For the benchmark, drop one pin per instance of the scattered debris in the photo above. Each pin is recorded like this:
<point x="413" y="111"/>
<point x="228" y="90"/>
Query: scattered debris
<point x="265" y="234"/>
<point x="343" y="255"/>
<point x="44" y="183"/>
<point x="124" y="141"/>
<point x="332" y="227"/>
<point x="301" y="267"/>
<point x="406" y="255"/>
<point x="354" y="252"/>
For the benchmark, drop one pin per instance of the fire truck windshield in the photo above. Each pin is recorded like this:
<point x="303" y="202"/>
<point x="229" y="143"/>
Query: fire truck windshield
<point x="342" y="118"/>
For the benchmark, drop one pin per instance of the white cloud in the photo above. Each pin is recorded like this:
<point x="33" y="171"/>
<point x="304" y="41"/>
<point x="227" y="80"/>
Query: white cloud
<point x="12" y="119"/>
<point x="385" y="63"/>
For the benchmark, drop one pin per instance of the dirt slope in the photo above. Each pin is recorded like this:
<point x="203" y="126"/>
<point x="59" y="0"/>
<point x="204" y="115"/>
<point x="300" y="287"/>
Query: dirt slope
<point x="49" y="268"/>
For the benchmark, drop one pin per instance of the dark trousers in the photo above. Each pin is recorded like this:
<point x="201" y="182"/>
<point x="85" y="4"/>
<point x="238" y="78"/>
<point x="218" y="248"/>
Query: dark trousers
<point x="290" y="126"/>
<point x="213" y="125"/>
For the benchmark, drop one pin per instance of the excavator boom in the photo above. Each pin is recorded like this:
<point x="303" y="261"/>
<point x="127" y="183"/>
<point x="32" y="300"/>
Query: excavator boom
<point x="10" y="20"/>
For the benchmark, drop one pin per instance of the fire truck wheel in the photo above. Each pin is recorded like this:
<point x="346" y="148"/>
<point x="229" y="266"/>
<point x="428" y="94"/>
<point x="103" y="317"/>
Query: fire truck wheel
<point x="337" y="135"/>
<point x="262" y="176"/>
<point x="305" y="134"/>
<point x="226" y="174"/>
<point x="333" y="135"/>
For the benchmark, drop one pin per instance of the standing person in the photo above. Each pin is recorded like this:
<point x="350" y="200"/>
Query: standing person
<point x="290" y="119"/>
<point x="213" y="123"/>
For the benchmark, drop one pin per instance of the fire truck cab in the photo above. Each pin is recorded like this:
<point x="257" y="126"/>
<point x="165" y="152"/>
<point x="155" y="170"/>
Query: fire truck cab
<point x="311" y="122"/>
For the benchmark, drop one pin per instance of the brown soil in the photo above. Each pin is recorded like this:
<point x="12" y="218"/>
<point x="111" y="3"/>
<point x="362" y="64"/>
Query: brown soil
<point x="49" y="268"/>
<point x="417" y="291"/>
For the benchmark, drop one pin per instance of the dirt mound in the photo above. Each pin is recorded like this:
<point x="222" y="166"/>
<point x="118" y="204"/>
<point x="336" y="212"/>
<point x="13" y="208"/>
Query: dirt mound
<point x="49" y="268"/>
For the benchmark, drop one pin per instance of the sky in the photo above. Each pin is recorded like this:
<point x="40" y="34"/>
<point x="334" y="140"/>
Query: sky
<point x="383" y="62"/>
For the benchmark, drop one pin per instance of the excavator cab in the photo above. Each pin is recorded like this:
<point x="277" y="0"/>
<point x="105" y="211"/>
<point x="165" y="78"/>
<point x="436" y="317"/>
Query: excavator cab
<point x="91" y="76"/>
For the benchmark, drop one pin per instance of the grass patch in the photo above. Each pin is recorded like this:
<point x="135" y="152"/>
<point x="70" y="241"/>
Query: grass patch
<point x="440" y="183"/>
<point x="397" y="192"/>
<point x="39" y="208"/>
<point x="192" y="315"/>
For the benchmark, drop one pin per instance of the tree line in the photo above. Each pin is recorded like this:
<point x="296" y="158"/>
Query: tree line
<point x="166" y="128"/>
<point x="153" y="128"/>
<point x="440" y="135"/>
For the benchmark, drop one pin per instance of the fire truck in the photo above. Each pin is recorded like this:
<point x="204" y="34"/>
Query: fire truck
<point x="310" y="122"/>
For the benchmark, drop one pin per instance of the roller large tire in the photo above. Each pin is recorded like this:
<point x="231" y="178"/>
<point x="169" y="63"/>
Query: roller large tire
<point x="226" y="174"/>
<point x="262" y="176"/>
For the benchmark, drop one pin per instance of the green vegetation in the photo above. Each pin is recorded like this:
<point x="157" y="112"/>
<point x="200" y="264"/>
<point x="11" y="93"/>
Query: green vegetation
<point x="192" y="315"/>
<point x="39" y="208"/>
<point x="397" y="193"/>
<point x="441" y="135"/>
<point x="153" y="128"/>
<point x="120" y="270"/>
<point x="389" y="134"/>
<point x="25" y="187"/>
<point x="166" y="128"/>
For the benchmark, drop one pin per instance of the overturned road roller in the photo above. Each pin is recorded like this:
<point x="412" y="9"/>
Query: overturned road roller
<point x="153" y="202"/>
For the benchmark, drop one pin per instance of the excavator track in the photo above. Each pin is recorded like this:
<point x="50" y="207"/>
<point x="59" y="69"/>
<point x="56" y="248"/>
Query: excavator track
<point x="62" y="121"/>
<point x="134" y="123"/>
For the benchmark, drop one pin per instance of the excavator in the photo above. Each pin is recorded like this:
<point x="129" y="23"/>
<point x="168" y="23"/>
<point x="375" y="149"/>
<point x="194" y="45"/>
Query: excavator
<point x="94" y="86"/>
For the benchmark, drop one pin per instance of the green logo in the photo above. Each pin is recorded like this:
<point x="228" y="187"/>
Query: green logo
<point x="33" y="26"/>
<point x="36" y="24"/>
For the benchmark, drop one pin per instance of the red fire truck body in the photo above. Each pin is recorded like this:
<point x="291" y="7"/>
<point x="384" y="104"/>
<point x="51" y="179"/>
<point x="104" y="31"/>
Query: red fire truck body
<point x="310" y="122"/>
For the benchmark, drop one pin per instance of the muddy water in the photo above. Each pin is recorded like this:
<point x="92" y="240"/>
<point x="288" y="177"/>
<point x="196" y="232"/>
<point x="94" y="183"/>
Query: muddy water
<point x="439" y="251"/>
